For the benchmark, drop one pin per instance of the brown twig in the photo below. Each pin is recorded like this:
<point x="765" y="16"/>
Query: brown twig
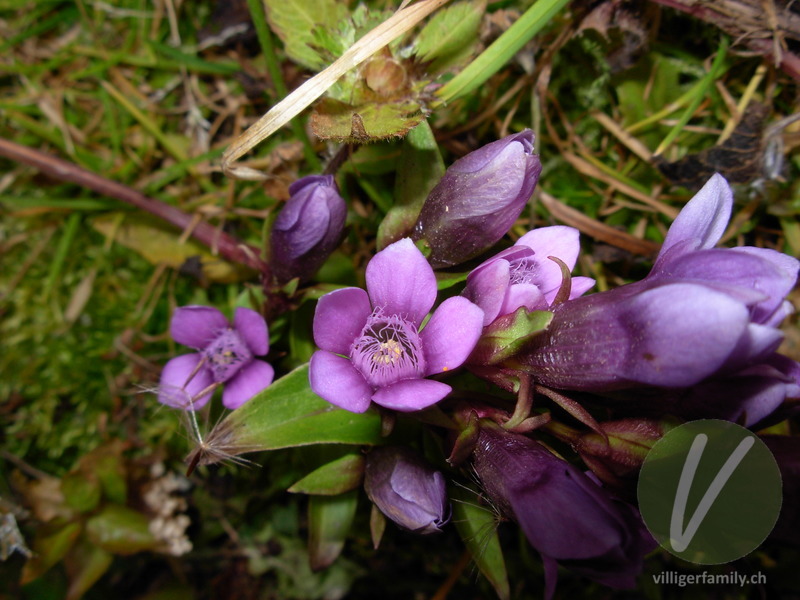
<point x="218" y="241"/>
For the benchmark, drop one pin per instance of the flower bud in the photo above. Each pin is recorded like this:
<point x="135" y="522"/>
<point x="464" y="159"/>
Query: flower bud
<point x="308" y="228"/>
<point x="406" y="489"/>
<point x="566" y="516"/>
<point x="478" y="200"/>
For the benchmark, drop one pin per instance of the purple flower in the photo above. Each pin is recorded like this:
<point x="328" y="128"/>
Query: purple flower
<point x="226" y="356"/>
<point x="568" y="517"/>
<point x="406" y="489"/>
<point x="478" y="199"/>
<point x="372" y="348"/>
<point x="523" y="275"/>
<point x="308" y="228"/>
<point x="701" y="313"/>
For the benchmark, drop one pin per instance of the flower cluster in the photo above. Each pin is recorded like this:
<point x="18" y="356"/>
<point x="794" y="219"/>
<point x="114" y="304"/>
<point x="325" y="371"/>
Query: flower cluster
<point x="697" y="338"/>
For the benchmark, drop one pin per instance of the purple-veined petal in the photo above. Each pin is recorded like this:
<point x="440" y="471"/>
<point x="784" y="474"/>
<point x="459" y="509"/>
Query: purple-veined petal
<point x="336" y="380"/>
<point x="175" y="389"/>
<point x="339" y="318"/>
<point x="411" y="394"/>
<point x="559" y="240"/>
<point x="523" y="294"/>
<point x="451" y="334"/>
<point x="253" y="329"/>
<point x="401" y="282"/>
<point x="701" y="223"/>
<point x="196" y="326"/>
<point x="580" y="285"/>
<point x="248" y="382"/>
<point x="487" y="286"/>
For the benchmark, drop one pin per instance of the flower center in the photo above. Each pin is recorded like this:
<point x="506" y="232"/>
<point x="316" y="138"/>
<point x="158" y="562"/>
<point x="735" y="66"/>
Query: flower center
<point x="226" y="355"/>
<point x="388" y="350"/>
<point x="522" y="270"/>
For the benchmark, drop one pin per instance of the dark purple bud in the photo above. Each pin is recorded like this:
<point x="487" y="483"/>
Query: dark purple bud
<point x="308" y="228"/>
<point x="406" y="489"/>
<point x="568" y="517"/>
<point x="478" y="199"/>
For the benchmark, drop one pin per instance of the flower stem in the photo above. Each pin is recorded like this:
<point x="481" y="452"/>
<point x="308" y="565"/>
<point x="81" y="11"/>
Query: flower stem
<point x="217" y="240"/>
<point x="524" y="403"/>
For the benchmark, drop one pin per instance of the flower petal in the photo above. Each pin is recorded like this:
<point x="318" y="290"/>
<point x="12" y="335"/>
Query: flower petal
<point x="487" y="286"/>
<point x="451" y="335"/>
<point x="701" y="223"/>
<point x="248" y="382"/>
<point x="559" y="240"/>
<point x="401" y="282"/>
<point x="253" y="329"/>
<point x="196" y="326"/>
<point x="411" y="394"/>
<point x="173" y="389"/>
<point x="523" y="294"/>
<point x="336" y="380"/>
<point x="580" y="285"/>
<point x="339" y="318"/>
<point x="680" y="333"/>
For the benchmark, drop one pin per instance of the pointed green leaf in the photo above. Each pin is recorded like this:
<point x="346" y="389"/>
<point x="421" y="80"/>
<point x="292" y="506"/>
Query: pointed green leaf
<point x="85" y="564"/>
<point x="121" y="530"/>
<point x="49" y="548"/>
<point x="339" y="476"/>
<point x="329" y="521"/>
<point x="450" y="35"/>
<point x="477" y="526"/>
<point x="287" y="414"/>
<point x="294" y="21"/>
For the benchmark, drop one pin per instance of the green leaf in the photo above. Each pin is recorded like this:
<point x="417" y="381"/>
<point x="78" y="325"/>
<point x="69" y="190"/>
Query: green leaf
<point x="477" y="526"/>
<point x="343" y="122"/>
<point x="450" y="35"/>
<point x="81" y="491"/>
<point x="329" y="521"/>
<point x="284" y="415"/>
<point x="121" y="530"/>
<point x="85" y="565"/>
<point x="294" y="22"/>
<point x="49" y="548"/>
<point x="336" y="477"/>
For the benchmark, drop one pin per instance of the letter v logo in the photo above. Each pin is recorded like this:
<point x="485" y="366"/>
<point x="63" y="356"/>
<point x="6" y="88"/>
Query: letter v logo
<point x="679" y="539"/>
<point x="710" y="491"/>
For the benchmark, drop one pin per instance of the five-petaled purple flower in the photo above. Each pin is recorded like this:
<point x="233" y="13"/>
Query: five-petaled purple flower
<point x="704" y="316"/>
<point x="226" y="356"/>
<point x="371" y="346"/>
<point x="523" y="275"/>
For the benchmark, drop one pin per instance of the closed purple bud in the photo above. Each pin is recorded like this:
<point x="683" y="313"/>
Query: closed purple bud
<point x="308" y="228"/>
<point x="406" y="489"/>
<point x="568" y="517"/>
<point x="478" y="200"/>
